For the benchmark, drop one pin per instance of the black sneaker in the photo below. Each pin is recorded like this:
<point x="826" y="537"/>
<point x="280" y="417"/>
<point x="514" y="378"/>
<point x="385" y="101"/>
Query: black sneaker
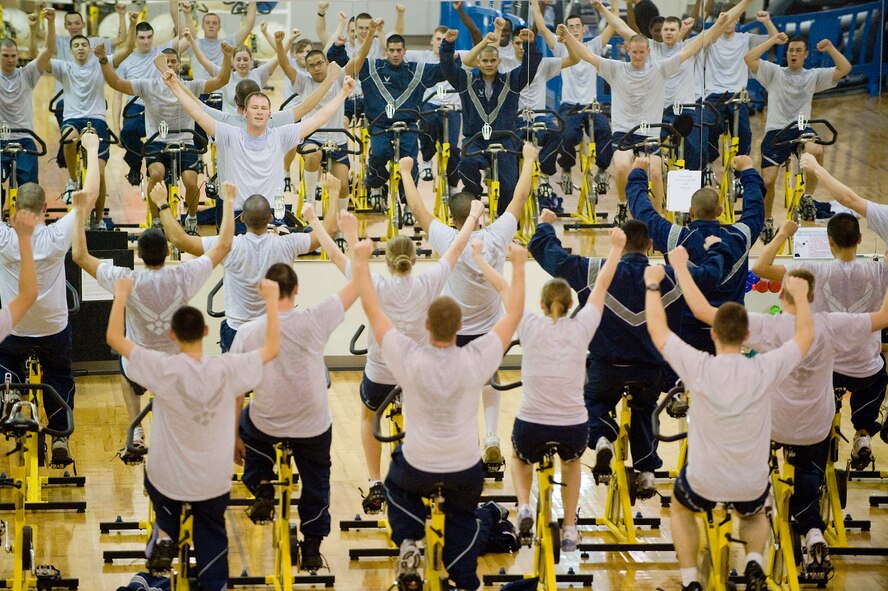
<point x="310" y="550"/>
<point x="61" y="456"/>
<point x="695" y="586"/>
<point x="755" y="577"/>
<point x="161" y="558"/>
<point x="134" y="177"/>
<point x="374" y="500"/>
<point x="262" y="509"/>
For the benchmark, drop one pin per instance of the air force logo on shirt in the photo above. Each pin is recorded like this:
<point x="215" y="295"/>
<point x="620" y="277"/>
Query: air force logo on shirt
<point x="387" y="79"/>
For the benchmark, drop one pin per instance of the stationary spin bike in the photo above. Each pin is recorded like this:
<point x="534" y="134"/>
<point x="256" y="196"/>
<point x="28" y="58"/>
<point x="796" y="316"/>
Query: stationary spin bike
<point x="591" y="188"/>
<point x="492" y="152"/>
<point x="11" y="149"/>
<point x="442" y="150"/>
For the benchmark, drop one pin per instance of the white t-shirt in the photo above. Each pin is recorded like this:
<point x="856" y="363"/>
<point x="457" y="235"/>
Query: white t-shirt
<point x="681" y="87"/>
<point x="258" y="75"/>
<point x="803" y="404"/>
<point x="162" y="105"/>
<point x="405" y="299"/>
<point x="877" y="219"/>
<point x="376" y="52"/>
<point x="480" y="303"/>
<point x="579" y="83"/>
<point x="854" y="287"/>
<point x="5" y="323"/>
<point x="729" y="421"/>
<point x="553" y="366"/>
<point x="15" y="98"/>
<point x="305" y="85"/>
<point x="63" y="47"/>
<point x="212" y="49"/>
<point x="84" y="88"/>
<point x="277" y="119"/>
<point x="49" y="314"/>
<point x="534" y="94"/>
<point x="790" y="93"/>
<point x="192" y="427"/>
<point x="256" y="164"/>
<point x="156" y="295"/>
<point x="291" y="399"/>
<point x="247" y="263"/>
<point x="441" y="398"/>
<point x="725" y="70"/>
<point x="638" y="94"/>
<point x="141" y="65"/>
<point x="289" y="88"/>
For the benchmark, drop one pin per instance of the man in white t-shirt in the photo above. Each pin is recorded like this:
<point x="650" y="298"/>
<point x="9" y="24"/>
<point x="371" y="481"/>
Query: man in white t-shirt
<point x="254" y="155"/>
<point x="638" y="88"/>
<point x="480" y="303"/>
<point x="845" y="284"/>
<point x="158" y="291"/>
<point x="45" y="328"/>
<point x="729" y="423"/>
<point x="790" y="91"/>
<point x="290" y="405"/>
<point x="211" y="43"/>
<point x="440" y="382"/>
<point x="23" y="224"/>
<point x="192" y="442"/>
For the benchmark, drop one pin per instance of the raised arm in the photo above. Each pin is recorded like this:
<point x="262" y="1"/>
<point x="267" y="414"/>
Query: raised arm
<point x="513" y="299"/>
<point x="843" y="66"/>
<point x="379" y="322"/>
<point x="842" y="193"/>
<point x="91" y="184"/>
<point x="607" y="271"/>
<point x="24" y="222"/>
<point x="324" y="239"/>
<point x="357" y="62"/>
<point x="325" y="113"/>
<point x="462" y="238"/>
<point x="281" y="52"/>
<point x="49" y="43"/>
<point x="493" y="277"/>
<point x="522" y="187"/>
<point x="540" y="23"/>
<point x="338" y="33"/>
<point x="755" y="54"/>
<point x="171" y="226"/>
<point x="471" y="59"/>
<point x="271" y="293"/>
<point x="619" y="25"/>
<point x="694" y="298"/>
<point x="114" y="334"/>
<point x="468" y="23"/>
<point x="226" y="228"/>
<point x="704" y="39"/>
<point x="224" y="75"/>
<point x="120" y="9"/>
<point x="804" y="322"/>
<point x="321" y="23"/>
<point x="191" y="106"/>
<point x="129" y="45"/>
<point x="79" y="249"/>
<point x="247" y="24"/>
<point x="454" y="74"/>
<point x="400" y="11"/>
<point x="655" y="313"/>
<point x="764" y="266"/>
<point x="414" y="201"/>
<point x="764" y="17"/>
<point x="33" y="37"/>
<point x="315" y="96"/>
<point x="578" y="48"/>
<point x="111" y="78"/>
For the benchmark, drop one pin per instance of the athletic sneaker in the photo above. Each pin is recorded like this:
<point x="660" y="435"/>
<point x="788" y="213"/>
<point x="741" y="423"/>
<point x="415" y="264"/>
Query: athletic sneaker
<point x="492" y="454"/>
<point x="262" y="509"/>
<point x="570" y="538"/>
<point x="861" y="451"/>
<point x="139" y="438"/>
<point x="755" y="577"/>
<point x="98" y="225"/>
<point x="157" y="224"/>
<point x="601" y="180"/>
<point x="426" y="172"/>
<point x="310" y="548"/>
<point x="409" y="561"/>
<point x="567" y="184"/>
<point x="645" y="488"/>
<point x="525" y="525"/>
<point x="161" y="558"/>
<point x="695" y="586"/>
<point x="61" y="456"/>
<point x="604" y="453"/>
<point x="767" y="234"/>
<point x="375" y="499"/>
<point x="134" y="177"/>
<point x="191" y="226"/>
<point x="70" y="187"/>
<point x="817" y="553"/>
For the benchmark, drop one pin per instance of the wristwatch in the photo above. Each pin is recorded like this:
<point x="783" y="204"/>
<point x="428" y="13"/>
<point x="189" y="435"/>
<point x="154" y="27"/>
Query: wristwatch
<point x="103" y="61"/>
<point x="163" y="207"/>
<point x="653" y="287"/>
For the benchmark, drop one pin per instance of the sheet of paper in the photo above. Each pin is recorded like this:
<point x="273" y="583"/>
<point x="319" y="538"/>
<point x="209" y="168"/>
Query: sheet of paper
<point x="811" y="243"/>
<point x="680" y="186"/>
<point x="90" y="290"/>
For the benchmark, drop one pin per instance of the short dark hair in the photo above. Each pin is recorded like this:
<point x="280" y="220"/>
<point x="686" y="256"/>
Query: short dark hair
<point x="256" y="212"/>
<point x="188" y="324"/>
<point x="461" y="206"/>
<point x="244" y="89"/>
<point x="144" y="26"/>
<point x="250" y="97"/>
<point x="798" y="39"/>
<point x="844" y="230"/>
<point x="284" y="275"/>
<point x="657" y="20"/>
<point x="638" y="237"/>
<point x="445" y="318"/>
<point x="801" y="273"/>
<point x="170" y="51"/>
<point x="705" y="204"/>
<point x="152" y="247"/>
<point x="313" y="53"/>
<point x="73" y="13"/>
<point x="76" y="37"/>
<point x="670" y="19"/>
<point x="517" y="32"/>
<point x="731" y="323"/>
<point x="7" y="42"/>
<point x="395" y="38"/>
<point x="363" y="16"/>
<point x="573" y="16"/>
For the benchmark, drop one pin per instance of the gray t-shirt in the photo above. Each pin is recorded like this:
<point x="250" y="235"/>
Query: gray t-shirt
<point x="877" y="219"/>
<point x="725" y="69"/>
<point x="305" y="85"/>
<point x="84" y="88"/>
<point x="162" y="105"/>
<point x="638" y="94"/>
<point x="579" y="83"/>
<point x="212" y="48"/>
<point x="790" y="93"/>
<point x="682" y="86"/>
<point x="258" y="75"/>
<point x="138" y="66"/>
<point x="15" y="98"/>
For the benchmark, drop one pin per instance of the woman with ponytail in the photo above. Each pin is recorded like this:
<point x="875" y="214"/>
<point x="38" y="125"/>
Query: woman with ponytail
<point x="553" y="368"/>
<point x="405" y="299"/>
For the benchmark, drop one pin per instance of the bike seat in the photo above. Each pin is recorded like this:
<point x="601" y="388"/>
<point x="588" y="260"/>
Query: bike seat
<point x="632" y="388"/>
<point x="436" y="490"/>
<point x="549" y="448"/>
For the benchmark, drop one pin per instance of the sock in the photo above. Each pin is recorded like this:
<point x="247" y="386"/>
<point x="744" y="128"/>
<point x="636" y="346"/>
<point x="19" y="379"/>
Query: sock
<point x="374" y="482"/>
<point x="688" y="576"/>
<point x="754" y="556"/>
<point x="162" y="535"/>
<point x="311" y="181"/>
<point x="491" y="399"/>
<point x="192" y="217"/>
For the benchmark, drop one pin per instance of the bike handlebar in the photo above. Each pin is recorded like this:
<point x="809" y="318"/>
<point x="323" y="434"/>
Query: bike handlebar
<point x="377" y="418"/>
<point x="290" y="99"/>
<point x="528" y="124"/>
<point x="17" y="422"/>
<point x="590" y="109"/>
<point x="130" y="432"/>
<point x="655" y="418"/>
<point x="125" y="112"/>
<point x="307" y="148"/>
<point x="495" y="384"/>
<point x="353" y="344"/>
<point x="75" y="298"/>
<point x="41" y="151"/>
<point x="805" y="136"/>
<point x="435" y="94"/>
<point x="504" y="133"/>
<point x="65" y="138"/>
<point x="418" y="127"/>
<point x="670" y="130"/>
<point x="199" y="145"/>
<point x="213" y="313"/>
<point x="53" y="107"/>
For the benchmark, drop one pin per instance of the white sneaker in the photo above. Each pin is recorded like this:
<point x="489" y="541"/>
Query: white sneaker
<point x="139" y="437"/>
<point x="570" y="539"/>
<point x="525" y="524"/>
<point x="861" y="450"/>
<point x="70" y="187"/>
<point x="645" y="487"/>
<point x="425" y="172"/>
<point x="492" y="453"/>
<point x="409" y="562"/>
<point x="191" y="226"/>
<point x="604" y="453"/>
<point x="817" y="552"/>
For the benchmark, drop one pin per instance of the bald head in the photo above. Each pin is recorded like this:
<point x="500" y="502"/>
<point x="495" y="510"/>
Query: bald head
<point x="704" y="204"/>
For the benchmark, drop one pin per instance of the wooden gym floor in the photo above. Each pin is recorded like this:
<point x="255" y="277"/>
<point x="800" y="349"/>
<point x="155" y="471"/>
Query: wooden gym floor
<point x="72" y="542"/>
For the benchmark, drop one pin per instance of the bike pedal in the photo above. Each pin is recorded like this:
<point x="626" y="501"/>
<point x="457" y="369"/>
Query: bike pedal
<point x="602" y="477"/>
<point x="47" y="573"/>
<point x="130" y="459"/>
<point x="410" y="582"/>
